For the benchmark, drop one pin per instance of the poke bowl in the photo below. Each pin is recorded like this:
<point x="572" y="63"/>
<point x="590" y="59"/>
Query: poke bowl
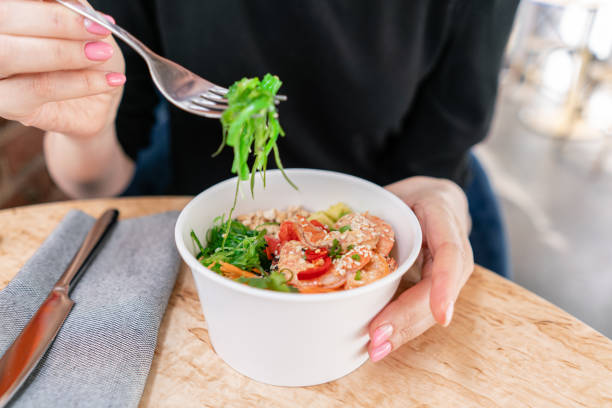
<point x="294" y="339"/>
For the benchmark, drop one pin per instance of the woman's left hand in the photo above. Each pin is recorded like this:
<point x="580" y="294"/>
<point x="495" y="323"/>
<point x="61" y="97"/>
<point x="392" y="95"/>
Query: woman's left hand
<point x="442" y="210"/>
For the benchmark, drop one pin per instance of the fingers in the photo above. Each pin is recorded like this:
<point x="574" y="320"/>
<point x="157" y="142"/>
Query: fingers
<point x="441" y="208"/>
<point x="402" y="320"/>
<point x="19" y="55"/>
<point x="447" y="271"/>
<point x="451" y="255"/>
<point x="44" y="19"/>
<point x="29" y="92"/>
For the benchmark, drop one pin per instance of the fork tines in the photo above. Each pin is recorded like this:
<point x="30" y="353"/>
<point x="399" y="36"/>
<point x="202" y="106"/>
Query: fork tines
<point x="212" y="103"/>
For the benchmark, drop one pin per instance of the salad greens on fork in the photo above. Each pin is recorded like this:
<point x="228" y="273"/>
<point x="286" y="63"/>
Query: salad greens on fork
<point x="250" y="124"/>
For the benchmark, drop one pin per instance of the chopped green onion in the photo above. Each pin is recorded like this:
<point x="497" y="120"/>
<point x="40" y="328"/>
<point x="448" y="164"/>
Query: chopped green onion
<point x="358" y="275"/>
<point x="335" y="251"/>
<point x="356" y="257"/>
<point x="345" y="228"/>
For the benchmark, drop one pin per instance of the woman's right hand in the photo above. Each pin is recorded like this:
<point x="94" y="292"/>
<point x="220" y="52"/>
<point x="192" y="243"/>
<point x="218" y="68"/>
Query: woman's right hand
<point x="58" y="72"/>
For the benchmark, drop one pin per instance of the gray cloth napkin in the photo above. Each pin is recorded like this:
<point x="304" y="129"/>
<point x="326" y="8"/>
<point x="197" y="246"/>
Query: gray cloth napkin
<point x="102" y="355"/>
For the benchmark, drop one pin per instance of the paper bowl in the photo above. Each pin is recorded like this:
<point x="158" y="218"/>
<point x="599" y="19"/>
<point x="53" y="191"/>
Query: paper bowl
<point x="292" y="339"/>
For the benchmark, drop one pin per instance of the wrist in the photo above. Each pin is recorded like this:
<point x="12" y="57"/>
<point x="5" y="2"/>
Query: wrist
<point x="88" y="167"/>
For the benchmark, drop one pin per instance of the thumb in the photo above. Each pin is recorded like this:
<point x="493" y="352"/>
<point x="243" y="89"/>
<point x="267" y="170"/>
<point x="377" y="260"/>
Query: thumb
<point x="402" y="320"/>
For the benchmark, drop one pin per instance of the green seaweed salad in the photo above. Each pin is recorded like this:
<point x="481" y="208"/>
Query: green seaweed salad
<point x="245" y="250"/>
<point x="250" y="125"/>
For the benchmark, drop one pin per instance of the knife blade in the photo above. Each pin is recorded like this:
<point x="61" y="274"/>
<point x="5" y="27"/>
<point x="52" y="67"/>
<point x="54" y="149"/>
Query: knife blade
<point x="28" y="348"/>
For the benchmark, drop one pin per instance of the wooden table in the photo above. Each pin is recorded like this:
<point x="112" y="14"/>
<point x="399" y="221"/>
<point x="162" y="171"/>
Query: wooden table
<point x="506" y="346"/>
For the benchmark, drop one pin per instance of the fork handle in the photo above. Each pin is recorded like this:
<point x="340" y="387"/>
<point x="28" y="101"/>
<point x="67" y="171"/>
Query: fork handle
<point x="95" y="16"/>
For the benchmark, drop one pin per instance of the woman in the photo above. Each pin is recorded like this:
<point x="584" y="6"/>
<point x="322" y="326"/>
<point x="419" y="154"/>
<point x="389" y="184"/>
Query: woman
<point x="395" y="91"/>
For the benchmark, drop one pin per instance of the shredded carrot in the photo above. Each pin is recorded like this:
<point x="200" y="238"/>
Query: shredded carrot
<point x="317" y="290"/>
<point x="235" y="271"/>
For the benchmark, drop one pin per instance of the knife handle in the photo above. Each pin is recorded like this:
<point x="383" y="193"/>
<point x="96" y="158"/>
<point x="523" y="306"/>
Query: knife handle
<point x="87" y="251"/>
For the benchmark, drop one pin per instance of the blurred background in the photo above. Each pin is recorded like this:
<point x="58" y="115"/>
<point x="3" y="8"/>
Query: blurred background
<point x="549" y="155"/>
<point x="23" y="175"/>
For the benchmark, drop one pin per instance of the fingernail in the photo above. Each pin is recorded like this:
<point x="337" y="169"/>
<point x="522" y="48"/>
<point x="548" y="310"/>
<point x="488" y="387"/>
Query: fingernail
<point x="110" y="18"/>
<point x="448" y="316"/>
<point x="380" y="352"/>
<point x="381" y="335"/>
<point x="95" y="28"/>
<point x="115" y="79"/>
<point x="98" y="51"/>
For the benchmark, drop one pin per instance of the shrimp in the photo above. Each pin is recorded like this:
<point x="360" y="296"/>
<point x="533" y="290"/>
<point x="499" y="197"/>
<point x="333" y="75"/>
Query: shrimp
<point x="377" y="268"/>
<point x="292" y="258"/>
<point x="309" y="233"/>
<point x="331" y="279"/>
<point x="365" y="241"/>
<point x="392" y="263"/>
<point x="359" y="229"/>
<point x="386" y="236"/>
<point x="353" y="260"/>
<point x="336" y="277"/>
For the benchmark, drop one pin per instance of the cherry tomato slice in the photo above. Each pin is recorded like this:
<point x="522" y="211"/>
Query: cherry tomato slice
<point x="273" y="246"/>
<point x="288" y="232"/>
<point x="314" y="254"/>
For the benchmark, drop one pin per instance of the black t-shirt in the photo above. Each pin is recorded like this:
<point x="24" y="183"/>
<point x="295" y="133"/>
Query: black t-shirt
<point x="378" y="89"/>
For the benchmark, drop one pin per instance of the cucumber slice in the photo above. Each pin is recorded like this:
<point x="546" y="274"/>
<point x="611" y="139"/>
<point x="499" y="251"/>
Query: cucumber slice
<point x="337" y="211"/>
<point x="322" y="217"/>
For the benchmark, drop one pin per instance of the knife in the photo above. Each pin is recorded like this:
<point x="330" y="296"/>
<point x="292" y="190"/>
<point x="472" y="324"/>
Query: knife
<point x="36" y="337"/>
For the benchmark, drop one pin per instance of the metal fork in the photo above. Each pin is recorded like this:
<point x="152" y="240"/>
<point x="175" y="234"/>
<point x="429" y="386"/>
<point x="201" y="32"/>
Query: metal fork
<point x="180" y="86"/>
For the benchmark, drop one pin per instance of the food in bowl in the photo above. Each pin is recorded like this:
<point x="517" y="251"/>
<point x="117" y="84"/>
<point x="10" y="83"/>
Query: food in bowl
<point x="294" y="250"/>
<point x="244" y="321"/>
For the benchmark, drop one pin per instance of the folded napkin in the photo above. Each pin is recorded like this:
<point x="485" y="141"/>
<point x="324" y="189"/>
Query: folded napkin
<point x="102" y="354"/>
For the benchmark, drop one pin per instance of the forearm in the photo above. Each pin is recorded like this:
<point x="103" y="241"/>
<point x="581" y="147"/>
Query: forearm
<point x="95" y="167"/>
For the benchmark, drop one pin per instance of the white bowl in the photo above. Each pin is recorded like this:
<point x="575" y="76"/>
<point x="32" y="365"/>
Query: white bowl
<point x="285" y="338"/>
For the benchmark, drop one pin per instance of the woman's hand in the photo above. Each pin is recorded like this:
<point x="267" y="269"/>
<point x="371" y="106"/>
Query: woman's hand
<point x="442" y="210"/>
<point x="58" y="71"/>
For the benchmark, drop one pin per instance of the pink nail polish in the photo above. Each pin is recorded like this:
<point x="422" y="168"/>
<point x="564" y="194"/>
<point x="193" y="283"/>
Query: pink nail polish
<point x="98" y="51"/>
<point x="381" y="335"/>
<point x="448" y="316"/>
<point x="110" y="18"/>
<point x="380" y="352"/>
<point x="95" y="28"/>
<point x="115" y="79"/>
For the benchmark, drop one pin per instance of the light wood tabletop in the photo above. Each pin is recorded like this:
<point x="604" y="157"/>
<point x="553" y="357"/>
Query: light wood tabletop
<point x="506" y="347"/>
